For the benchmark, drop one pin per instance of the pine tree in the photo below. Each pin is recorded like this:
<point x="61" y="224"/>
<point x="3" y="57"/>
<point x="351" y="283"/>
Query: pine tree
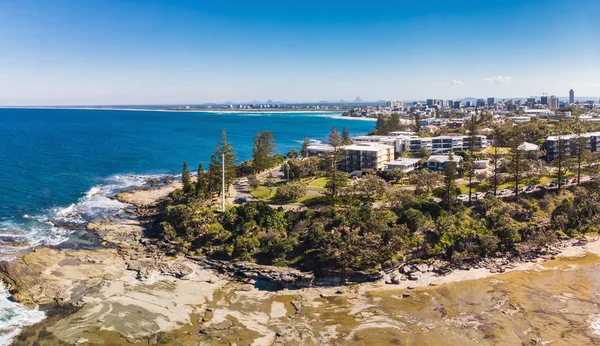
<point x="201" y="183"/>
<point x="264" y="148"/>
<point x="517" y="163"/>
<point x="346" y="136"/>
<point x="186" y="178"/>
<point x="472" y="127"/>
<point x="561" y="161"/>
<point x="337" y="179"/>
<point x="381" y="126"/>
<point x="213" y="176"/>
<point x="222" y="149"/>
<point x="305" y="143"/>
<point x="449" y="199"/>
<point x="394" y="122"/>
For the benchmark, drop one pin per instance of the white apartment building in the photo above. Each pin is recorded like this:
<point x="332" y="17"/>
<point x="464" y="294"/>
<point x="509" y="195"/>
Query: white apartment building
<point x="444" y="144"/>
<point x="362" y="156"/>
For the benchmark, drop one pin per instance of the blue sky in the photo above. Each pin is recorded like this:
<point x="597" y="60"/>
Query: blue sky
<point x="152" y="52"/>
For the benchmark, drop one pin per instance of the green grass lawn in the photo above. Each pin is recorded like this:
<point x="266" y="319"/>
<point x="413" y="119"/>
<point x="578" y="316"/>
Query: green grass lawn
<point x="263" y="193"/>
<point x="318" y="184"/>
<point x="305" y="198"/>
<point x="501" y="150"/>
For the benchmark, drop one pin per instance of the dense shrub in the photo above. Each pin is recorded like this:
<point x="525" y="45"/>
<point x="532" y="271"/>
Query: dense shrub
<point x="290" y="192"/>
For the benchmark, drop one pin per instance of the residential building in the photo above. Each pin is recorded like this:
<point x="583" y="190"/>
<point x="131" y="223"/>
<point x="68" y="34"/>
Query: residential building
<point x="444" y="144"/>
<point x="456" y="123"/>
<point x="365" y="157"/>
<point x="480" y="103"/>
<point x="544" y="100"/>
<point x="539" y="112"/>
<point x="571" y="96"/>
<point x="553" y="102"/>
<point x="439" y="162"/>
<point x="433" y="121"/>
<point x="394" y="104"/>
<point x="450" y="103"/>
<point x="569" y="144"/>
<point x="520" y="119"/>
<point x="430" y="102"/>
<point x="491" y="101"/>
<point x="531" y="102"/>
<point x="395" y="141"/>
<point x="318" y="149"/>
<point x="530" y="149"/>
<point x="456" y="105"/>
<point x="469" y="104"/>
<point x="404" y="164"/>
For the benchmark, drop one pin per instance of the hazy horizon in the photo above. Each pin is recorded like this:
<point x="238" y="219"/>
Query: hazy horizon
<point x="186" y="52"/>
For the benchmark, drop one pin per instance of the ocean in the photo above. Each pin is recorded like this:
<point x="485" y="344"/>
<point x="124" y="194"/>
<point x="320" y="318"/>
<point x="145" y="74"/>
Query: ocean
<point x="65" y="164"/>
<point x="61" y="164"/>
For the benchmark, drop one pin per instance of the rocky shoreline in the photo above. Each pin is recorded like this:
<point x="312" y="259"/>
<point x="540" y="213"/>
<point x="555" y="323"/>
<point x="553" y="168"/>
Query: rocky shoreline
<point x="130" y="293"/>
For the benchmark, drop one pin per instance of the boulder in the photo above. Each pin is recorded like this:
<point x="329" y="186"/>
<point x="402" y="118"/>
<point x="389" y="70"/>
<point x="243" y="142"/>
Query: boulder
<point x="407" y="269"/>
<point x="422" y="267"/>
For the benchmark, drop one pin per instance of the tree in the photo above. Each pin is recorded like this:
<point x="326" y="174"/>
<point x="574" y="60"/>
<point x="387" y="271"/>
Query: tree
<point x="264" y="148"/>
<point x="561" y="161"/>
<point x="222" y="149"/>
<point x="417" y="122"/>
<point x="371" y="186"/>
<point x="517" y="164"/>
<point x="304" y="150"/>
<point x="186" y="178"/>
<point x="381" y="126"/>
<point x="346" y="136"/>
<point x="201" y="183"/>
<point x="337" y="179"/>
<point x="397" y="174"/>
<point x="425" y="180"/>
<point x="290" y="192"/>
<point x="582" y="153"/>
<point x="449" y="199"/>
<point x="293" y="154"/>
<point x="394" y="122"/>
<point x="495" y="157"/>
<point x="470" y="159"/>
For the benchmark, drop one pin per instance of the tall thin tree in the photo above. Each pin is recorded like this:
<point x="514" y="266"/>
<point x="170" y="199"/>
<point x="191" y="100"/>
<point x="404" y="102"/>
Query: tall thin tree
<point x="472" y="127"/>
<point x="305" y="144"/>
<point x="186" y="178"/>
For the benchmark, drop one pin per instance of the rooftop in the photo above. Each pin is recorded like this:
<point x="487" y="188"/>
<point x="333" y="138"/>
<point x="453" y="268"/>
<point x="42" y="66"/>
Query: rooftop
<point x="444" y="158"/>
<point x="367" y="147"/>
<point x="404" y="161"/>
<point x="571" y="136"/>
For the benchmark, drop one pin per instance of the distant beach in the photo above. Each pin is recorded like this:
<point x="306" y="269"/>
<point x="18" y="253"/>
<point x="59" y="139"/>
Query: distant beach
<point x="325" y="113"/>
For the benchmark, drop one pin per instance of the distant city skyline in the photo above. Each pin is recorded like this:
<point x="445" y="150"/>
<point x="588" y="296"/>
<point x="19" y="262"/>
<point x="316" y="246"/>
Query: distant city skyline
<point x="188" y="52"/>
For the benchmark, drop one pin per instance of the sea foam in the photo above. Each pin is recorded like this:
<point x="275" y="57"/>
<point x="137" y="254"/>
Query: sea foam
<point x="52" y="227"/>
<point x="14" y="316"/>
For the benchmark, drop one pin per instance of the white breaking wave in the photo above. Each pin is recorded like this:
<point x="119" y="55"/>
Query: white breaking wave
<point x="95" y="205"/>
<point x="14" y="316"/>
<point x="32" y="231"/>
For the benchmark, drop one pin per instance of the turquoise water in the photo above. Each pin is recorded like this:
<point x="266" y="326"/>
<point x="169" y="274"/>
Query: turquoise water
<point x="63" y="163"/>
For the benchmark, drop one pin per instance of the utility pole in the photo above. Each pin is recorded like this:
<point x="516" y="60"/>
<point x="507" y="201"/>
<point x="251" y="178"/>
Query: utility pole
<point x="223" y="183"/>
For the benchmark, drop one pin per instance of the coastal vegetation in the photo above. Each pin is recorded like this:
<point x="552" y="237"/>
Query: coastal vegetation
<point x="367" y="224"/>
